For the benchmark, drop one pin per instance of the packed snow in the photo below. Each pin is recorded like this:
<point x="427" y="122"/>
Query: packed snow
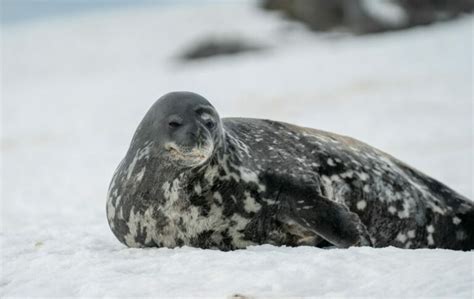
<point x="74" y="89"/>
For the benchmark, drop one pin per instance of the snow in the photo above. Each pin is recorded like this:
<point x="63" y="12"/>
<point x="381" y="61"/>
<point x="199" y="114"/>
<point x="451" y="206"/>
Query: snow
<point x="96" y="267"/>
<point x="74" y="90"/>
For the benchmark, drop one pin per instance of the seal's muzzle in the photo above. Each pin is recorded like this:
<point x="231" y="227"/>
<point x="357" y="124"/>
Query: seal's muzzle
<point x="190" y="156"/>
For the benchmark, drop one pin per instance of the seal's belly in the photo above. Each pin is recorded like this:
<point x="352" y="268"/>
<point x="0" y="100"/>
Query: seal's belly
<point x="176" y="226"/>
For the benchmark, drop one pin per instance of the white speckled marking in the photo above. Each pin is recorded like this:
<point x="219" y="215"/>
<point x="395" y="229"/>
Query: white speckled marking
<point x="401" y="237"/>
<point x="327" y="184"/>
<point x="235" y="231"/>
<point x="132" y="224"/>
<point x="217" y="196"/>
<point x="197" y="188"/>
<point x="110" y="211"/>
<point x="248" y="176"/>
<point x="250" y="204"/>
<point x="366" y="188"/>
<point x="430" y="239"/>
<point x="140" y="154"/>
<point x="456" y="220"/>
<point x="269" y="201"/>
<point x="347" y="174"/>
<point x="405" y="213"/>
<point x="140" y="174"/>
<point x="331" y="162"/>
<point x="392" y="210"/>
<point x="361" y="204"/>
<point x="363" y="176"/>
<point x="430" y="229"/>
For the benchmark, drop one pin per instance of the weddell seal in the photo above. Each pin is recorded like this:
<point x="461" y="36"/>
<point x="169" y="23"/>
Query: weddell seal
<point x="191" y="178"/>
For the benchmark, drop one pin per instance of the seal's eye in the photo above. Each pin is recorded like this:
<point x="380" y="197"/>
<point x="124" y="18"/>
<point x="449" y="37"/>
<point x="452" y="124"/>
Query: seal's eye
<point x="174" y="124"/>
<point x="210" y="124"/>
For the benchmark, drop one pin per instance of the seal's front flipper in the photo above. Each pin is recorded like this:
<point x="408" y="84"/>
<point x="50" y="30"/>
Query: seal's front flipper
<point x="302" y="204"/>
<point x="328" y="219"/>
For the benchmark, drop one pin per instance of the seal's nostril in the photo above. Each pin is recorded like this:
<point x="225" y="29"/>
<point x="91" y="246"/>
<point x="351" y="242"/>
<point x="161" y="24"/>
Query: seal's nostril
<point x="193" y="134"/>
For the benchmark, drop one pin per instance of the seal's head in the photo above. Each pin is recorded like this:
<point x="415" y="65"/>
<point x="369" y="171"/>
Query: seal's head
<point x="183" y="127"/>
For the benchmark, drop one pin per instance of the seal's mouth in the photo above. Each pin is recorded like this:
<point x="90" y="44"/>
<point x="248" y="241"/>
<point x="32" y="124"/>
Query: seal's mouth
<point x="193" y="156"/>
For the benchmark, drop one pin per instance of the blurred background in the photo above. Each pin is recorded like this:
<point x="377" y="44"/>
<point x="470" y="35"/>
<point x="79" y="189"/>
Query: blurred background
<point x="78" y="76"/>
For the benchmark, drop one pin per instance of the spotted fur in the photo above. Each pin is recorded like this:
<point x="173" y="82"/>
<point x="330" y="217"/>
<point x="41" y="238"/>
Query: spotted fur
<point x="269" y="182"/>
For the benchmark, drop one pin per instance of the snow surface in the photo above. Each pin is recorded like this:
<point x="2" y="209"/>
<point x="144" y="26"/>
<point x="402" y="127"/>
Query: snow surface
<point x="74" y="90"/>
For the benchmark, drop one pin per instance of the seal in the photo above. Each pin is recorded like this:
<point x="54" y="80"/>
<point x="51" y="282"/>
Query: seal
<point x="190" y="178"/>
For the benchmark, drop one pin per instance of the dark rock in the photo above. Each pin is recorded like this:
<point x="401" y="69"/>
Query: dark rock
<point x="369" y="16"/>
<point x="213" y="47"/>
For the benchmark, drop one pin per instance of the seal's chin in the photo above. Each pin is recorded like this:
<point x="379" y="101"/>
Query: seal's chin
<point x="189" y="156"/>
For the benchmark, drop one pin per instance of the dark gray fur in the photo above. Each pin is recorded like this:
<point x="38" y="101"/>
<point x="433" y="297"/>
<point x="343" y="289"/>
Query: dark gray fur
<point x="191" y="178"/>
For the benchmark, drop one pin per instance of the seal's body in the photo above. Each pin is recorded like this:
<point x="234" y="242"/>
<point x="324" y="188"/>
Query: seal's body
<point x="190" y="178"/>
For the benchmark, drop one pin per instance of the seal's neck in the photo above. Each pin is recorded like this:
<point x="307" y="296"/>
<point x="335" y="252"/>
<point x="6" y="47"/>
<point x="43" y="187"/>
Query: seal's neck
<point x="225" y="161"/>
